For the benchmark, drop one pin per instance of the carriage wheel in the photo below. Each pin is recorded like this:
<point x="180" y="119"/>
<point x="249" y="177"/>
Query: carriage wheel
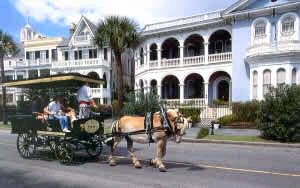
<point x="26" y="145"/>
<point x="94" y="149"/>
<point x="64" y="152"/>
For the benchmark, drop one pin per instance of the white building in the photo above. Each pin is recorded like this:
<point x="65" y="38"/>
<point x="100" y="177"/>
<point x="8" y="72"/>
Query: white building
<point x="42" y="56"/>
<point x="234" y="54"/>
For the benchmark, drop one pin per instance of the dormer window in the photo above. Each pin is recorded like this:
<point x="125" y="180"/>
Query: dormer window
<point x="260" y="29"/>
<point x="288" y="25"/>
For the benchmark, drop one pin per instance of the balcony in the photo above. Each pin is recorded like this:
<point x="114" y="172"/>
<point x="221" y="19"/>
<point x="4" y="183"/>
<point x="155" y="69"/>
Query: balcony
<point x="187" y="61"/>
<point x="272" y="49"/>
<point x="100" y="93"/>
<point x="38" y="62"/>
<point x="80" y="63"/>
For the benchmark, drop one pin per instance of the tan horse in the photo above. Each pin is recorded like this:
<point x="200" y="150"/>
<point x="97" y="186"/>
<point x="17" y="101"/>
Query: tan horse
<point x="160" y="135"/>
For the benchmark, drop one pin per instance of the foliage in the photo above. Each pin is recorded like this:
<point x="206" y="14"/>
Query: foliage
<point x="115" y="108"/>
<point x="194" y="113"/>
<point x="278" y="116"/>
<point x="203" y="132"/>
<point x="245" y="112"/>
<point x="227" y="120"/>
<point x="140" y="104"/>
<point x="121" y="34"/>
<point x="220" y="102"/>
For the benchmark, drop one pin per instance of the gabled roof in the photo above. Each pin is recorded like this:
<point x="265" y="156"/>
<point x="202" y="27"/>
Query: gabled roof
<point x="92" y="27"/>
<point x="242" y="5"/>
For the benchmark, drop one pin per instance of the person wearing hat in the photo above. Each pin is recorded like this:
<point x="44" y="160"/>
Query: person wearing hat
<point x="85" y="100"/>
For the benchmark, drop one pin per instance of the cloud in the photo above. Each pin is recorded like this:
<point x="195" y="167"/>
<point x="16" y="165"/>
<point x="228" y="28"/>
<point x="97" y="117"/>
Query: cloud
<point x="64" y="12"/>
<point x="68" y="11"/>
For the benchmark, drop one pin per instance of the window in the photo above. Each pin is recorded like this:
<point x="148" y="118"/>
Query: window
<point x="27" y="55"/>
<point x="66" y="55"/>
<point x="105" y="53"/>
<point x="280" y="77"/>
<point x="9" y="63"/>
<point x="78" y="54"/>
<point x="142" y="56"/>
<point x="37" y="55"/>
<point x="260" y="29"/>
<point x="54" y="54"/>
<point x="255" y="80"/>
<point x="20" y="77"/>
<point x="92" y="53"/>
<point x="288" y="25"/>
<point x="294" y="76"/>
<point x="266" y="82"/>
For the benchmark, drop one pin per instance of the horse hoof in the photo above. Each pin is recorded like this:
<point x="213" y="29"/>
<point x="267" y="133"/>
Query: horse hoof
<point x="138" y="165"/>
<point x="162" y="169"/>
<point x="112" y="163"/>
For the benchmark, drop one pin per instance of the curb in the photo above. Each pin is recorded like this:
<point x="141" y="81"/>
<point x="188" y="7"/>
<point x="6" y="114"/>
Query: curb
<point x="191" y="140"/>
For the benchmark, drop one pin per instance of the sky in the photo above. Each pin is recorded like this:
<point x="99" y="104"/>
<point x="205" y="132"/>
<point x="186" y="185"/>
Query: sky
<point x="53" y="17"/>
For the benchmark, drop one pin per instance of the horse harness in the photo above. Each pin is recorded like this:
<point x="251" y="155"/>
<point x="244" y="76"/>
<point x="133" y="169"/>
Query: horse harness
<point x="148" y="126"/>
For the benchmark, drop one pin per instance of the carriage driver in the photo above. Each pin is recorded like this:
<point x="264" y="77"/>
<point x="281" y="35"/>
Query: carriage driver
<point x="85" y="100"/>
<point x="55" y="111"/>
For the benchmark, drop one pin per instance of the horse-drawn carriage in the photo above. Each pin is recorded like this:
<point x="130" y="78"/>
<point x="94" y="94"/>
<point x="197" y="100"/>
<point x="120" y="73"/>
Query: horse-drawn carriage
<point x="34" y="132"/>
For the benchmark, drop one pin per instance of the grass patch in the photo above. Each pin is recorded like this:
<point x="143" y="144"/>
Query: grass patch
<point x="2" y="126"/>
<point x="237" y="138"/>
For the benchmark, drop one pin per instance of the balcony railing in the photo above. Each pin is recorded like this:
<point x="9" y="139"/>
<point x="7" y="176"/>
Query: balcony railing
<point x="100" y="93"/>
<point x="38" y="62"/>
<point x="183" y="21"/>
<point x="170" y="62"/>
<point x="221" y="57"/>
<point x="194" y="60"/>
<point x="187" y="61"/>
<point x="79" y="63"/>
<point x="278" y="47"/>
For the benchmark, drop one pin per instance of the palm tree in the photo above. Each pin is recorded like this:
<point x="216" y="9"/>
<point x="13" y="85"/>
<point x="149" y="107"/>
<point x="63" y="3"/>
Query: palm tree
<point x="121" y="33"/>
<point x="7" y="47"/>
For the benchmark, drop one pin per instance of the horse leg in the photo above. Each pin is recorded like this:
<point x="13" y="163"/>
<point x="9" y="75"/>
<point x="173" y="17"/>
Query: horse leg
<point x="112" y="161"/>
<point x="160" y="153"/>
<point x="135" y="160"/>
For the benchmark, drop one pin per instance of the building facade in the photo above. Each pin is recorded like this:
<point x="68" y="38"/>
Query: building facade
<point x="235" y="54"/>
<point x="42" y="56"/>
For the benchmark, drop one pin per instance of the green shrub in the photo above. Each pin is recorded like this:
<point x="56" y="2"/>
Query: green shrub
<point x="203" y="132"/>
<point x="220" y="102"/>
<point x="227" y="120"/>
<point x="279" y="115"/>
<point x="140" y="104"/>
<point x="194" y="113"/>
<point x="245" y="112"/>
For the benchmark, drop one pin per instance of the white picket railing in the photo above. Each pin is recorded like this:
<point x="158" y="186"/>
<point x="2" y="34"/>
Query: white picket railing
<point x="79" y="63"/>
<point x="170" y="62"/>
<point x="221" y="57"/>
<point x="194" y="60"/>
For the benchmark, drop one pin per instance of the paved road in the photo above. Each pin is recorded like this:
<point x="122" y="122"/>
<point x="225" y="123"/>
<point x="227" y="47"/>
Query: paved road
<point x="189" y="165"/>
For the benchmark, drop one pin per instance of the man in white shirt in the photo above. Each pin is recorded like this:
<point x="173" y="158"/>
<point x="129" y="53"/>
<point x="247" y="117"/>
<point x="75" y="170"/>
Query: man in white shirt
<point x="85" y="100"/>
<point x="54" y="110"/>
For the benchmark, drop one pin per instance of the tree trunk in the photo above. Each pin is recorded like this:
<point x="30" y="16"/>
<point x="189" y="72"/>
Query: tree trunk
<point x="120" y="81"/>
<point x="4" y="107"/>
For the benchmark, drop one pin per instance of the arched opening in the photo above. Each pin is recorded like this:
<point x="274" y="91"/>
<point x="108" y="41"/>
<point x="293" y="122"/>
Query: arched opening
<point x="193" y="87"/>
<point x="266" y="81"/>
<point x="142" y="56"/>
<point x="95" y="76"/>
<point x="141" y="86"/>
<point x="194" y="46"/>
<point x="153" y="52"/>
<point x="281" y="77"/>
<point x="220" y="86"/>
<point x="294" y="76"/>
<point x="170" y="49"/>
<point x="220" y="42"/>
<point x="153" y="88"/>
<point x="170" y="87"/>
<point x="105" y="81"/>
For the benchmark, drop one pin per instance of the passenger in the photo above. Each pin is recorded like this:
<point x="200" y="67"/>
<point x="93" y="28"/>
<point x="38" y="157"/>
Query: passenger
<point x="36" y="107"/>
<point x="69" y="112"/>
<point x="85" y="100"/>
<point x="55" y="111"/>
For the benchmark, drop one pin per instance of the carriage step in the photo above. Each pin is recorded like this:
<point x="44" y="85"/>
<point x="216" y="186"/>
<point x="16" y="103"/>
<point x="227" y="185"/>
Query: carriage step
<point x="48" y="133"/>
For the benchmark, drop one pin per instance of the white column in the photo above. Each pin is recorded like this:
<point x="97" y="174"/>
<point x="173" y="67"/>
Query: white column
<point x="206" y="51"/>
<point x="16" y="76"/>
<point x="39" y="73"/>
<point x="230" y="91"/>
<point x="206" y="84"/>
<point x="181" y="53"/>
<point x="148" y="56"/>
<point x="159" y="91"/>
<point x="289" y="75"/>
<point x="159" y="55"/>
<point x="181" y="86"/>
<point x="27" y="74"/>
